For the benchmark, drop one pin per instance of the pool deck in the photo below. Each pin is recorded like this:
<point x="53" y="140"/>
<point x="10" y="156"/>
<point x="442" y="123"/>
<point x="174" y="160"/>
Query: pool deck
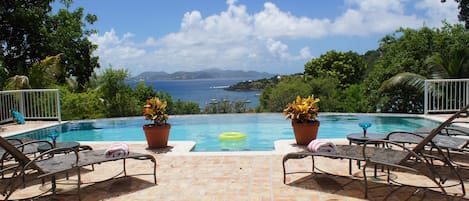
<point x="185" y="175"/>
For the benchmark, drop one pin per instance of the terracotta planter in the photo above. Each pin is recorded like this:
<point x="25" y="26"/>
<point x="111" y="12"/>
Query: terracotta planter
<point x="157" y="136"/>
<point x="305" y="132"/>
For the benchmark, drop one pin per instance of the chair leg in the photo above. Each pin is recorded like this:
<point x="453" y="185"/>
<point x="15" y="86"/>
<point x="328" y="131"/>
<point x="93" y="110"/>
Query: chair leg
<point x="23" y="179"/>
<point x="388" y="176"/>
<point x="313" y="166"/>
<point x="1" y="167"/>
<point x="54" y="185"/>
<point x="10" y="187"/>
<point x="365" y="180"/>
<point x="154" y="171"/>
<point x="125" y="170"/>
<point x="284" y="172"/>
<point x="79" y="183"/>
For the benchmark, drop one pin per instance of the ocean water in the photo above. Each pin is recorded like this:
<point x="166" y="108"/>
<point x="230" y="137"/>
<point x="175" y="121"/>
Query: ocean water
<point x="204" y="91"/>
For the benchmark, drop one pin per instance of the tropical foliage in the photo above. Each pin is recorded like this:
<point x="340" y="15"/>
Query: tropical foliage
<point x="83" y="105"/>
<point x="18" y="82"/>
<point x="347" y="67"/>
<point x="389" y="79"/>
<point x="302" y="110"/>
<point x="45" y="72"/>
<point x="155" y="110"/>
<point x="274" y="99"/>
<point x="411" y="56"/>
<point x="30" y="32"/>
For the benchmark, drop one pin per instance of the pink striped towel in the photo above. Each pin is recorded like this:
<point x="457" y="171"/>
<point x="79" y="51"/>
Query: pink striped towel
<point x="321" y="146"/>
<point x="117" y="150"/>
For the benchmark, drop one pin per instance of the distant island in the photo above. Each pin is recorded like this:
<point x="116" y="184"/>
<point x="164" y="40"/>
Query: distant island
<point x="255" y="85"/>
<point x="203" y="74"/>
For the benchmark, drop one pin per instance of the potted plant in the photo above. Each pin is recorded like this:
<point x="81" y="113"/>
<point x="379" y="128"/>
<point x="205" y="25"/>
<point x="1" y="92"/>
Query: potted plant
<point x="157" y="133"/>
<point x="303" y="113"/>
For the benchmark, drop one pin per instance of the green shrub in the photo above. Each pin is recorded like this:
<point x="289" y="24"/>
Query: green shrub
<point x="276" y="98"/>
<point x="183" y="107"/>
<point x="85" y="105"/>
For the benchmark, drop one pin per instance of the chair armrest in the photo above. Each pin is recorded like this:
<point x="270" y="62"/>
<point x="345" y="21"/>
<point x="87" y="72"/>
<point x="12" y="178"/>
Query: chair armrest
<point x="85" y="148"/>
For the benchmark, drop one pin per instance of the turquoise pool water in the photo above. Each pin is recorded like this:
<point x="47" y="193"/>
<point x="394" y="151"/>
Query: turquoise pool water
<point x="261" y="129"/>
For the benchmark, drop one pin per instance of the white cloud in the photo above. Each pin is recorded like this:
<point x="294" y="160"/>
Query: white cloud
<point x="107" y="39"/>
<point x="437" y="11"/>
<point x="272" y="22"/>
<point x="277" y="48"/>
<point x="365" y="17"/>
<point x="114" y="50"/>
<point x="236" y="39"/>
<point x="305" y="53"/>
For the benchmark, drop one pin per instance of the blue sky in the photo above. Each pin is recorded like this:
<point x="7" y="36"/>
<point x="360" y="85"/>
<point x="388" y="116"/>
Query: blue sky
<point x="277" y="36"/>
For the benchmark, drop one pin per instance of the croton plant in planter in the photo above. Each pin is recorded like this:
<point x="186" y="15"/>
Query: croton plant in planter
<point x="303" y="113"/>
<point x="156" y="133"/>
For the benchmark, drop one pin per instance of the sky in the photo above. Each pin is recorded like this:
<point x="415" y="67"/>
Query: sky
<point x="277" y="36"/>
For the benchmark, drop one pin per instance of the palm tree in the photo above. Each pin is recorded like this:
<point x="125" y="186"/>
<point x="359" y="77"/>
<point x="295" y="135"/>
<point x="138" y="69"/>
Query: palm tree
<point x="41" y="75"/>
<point x="18" y="82"/>
<point x="453" y="65"/>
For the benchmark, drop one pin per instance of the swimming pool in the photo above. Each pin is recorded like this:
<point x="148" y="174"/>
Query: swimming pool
<point x="261" y="130"/>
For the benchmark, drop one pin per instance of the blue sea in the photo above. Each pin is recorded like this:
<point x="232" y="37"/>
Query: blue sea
<point x="204" y="91"/>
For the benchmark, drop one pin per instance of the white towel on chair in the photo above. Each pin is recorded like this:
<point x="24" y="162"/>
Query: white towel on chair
<point x="117" y="150"/>
<point x="321" y="146"/>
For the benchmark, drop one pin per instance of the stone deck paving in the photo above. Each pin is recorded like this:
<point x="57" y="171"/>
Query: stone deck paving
<point x="183" y="175"/>
<point x="226" y="176"/>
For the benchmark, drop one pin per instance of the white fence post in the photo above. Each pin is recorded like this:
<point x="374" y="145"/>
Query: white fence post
<point x="425" y="98"/>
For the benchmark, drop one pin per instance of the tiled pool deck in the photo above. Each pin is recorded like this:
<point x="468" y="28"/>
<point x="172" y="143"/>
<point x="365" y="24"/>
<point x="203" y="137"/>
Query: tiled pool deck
<point x="184" y="175"/>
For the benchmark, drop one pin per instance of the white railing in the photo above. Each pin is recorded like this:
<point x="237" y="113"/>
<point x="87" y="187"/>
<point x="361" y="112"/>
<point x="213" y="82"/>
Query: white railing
<point x="445" y="95"/>
<point x="33" y="104"/>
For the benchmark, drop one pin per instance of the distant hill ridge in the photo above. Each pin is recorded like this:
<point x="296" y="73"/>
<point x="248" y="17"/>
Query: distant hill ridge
<point x="202" y="74"/>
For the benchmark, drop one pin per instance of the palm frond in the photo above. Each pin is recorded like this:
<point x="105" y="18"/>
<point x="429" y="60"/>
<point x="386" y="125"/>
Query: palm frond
<point x="18" y="82"/>
<point x="437" y="65"/>
<point x="459" y="60"/>
<point x="405" y="79"/>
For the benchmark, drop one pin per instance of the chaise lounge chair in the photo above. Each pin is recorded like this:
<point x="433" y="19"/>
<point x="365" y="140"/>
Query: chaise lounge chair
<point x="53" y="162"/>
<point x="453" y="139"/>
<point x="446" y="142"/>
<point x="27" y="148"/>
<point x="394" y="156"/>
